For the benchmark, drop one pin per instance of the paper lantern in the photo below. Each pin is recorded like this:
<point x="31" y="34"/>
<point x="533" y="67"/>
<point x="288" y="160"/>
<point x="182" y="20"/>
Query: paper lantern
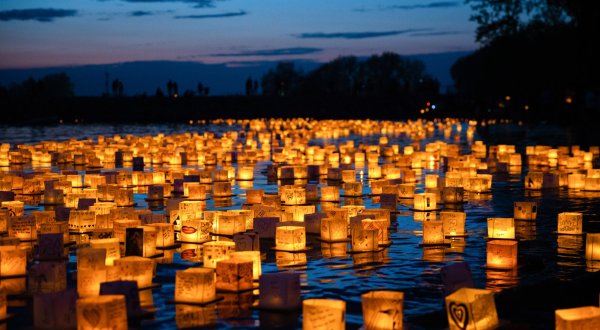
<point x="470" y="308"/>
<point x="592" y="184"/>
<point x="592" y="246"/>
<point x="381" y="225"/>
<point x="91" y="258"/>
<point x="245" y="173"/>
<point x="425" y="202"/>
<point x="265" y="226"/>
<point x="229" y="224"/>
<point x="52" y="196"/>
<point x="195" y="285"/>
<point x="234" y="275"/>
<point x="156" y="192"/>
<point x="374" y="171"/>
<point x="501" y="228"/>
<point x="102" y="312"/>
<point x="501" y="254"/>
<point x="330" y="194"/>
<point x="525" y="210"/>
<point x="47" y="277"/>
<point x="253" y="256"/>
<point x="279" y="291"/>
<point x="55" y="310"/>
<point x="107" y="192"/>
<point x="247" y="241"/>
<point x="222" y="189"/>
<point x="23" y="228"/>
<point x="112" y="248"/>
<point x="254" y="196"/>
<point x="570" y="223"/>
<point x="13" y="261"/>
<point x="383" y="310"/>
<point x="15" y="208"/>
<point x="290" y="238"/>
<point x="141" y="241"/>
<point x="194" y="190"/>
<point x="364" y="239"/>
<point x="348" y="176"/>
<point x="214" y="252"/>
<point x="190" y="316"/>
<point x="323" y="314"/>
<point x="124" y="197"/>
<point x="406" y="190"/>
<point x="586" y="317"/>
<point x="292" y="195"/>
<point x="195" y="231"/>
<point x="136" y="269"/>
<point x="120" y="227"/>
<point x="333" y="229"/>
<point x="165" y="235"/>
<point x="433" y="232"/>
<point x="431" y="180"/>
<point x="452" y="195"/>
<point x="454" y="223"/>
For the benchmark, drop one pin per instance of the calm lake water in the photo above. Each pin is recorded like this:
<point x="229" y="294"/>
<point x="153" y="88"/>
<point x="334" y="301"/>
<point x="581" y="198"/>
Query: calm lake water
<point x="405" y="265"/>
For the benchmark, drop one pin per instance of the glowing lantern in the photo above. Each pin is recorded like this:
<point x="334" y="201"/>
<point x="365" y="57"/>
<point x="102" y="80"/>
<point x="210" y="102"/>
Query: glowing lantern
<point x="374" y="171"/>
<point x="330" y="194"/>
<point x="570" y="223"/>
<point x="353" y="189"/>
<point x="124" y="197"/>
<point x="111" y="245"/>
<point x="195" y="285"/>
<point x="323" y="314"/>
<point x="194" y="190"/>
<point x="279" y="291"/>
<point x="91" y="258"/>
<point x="333" y="229"/>
<point x="454" y="223"/>
<point x="383" y="310"/>
<point x="254" y="196"/>
<point x="364" y="239"/>
<point x="23" y="228"/>
<point x="501" y="254"/>
<point x="15" y="208"/>
<point x="75" y="179"/>
<point x="381" y="225"/>
<point x="253" y="256"/>
<point x="214" y="252"/>
<point x="470" y="308"/>
<point x="334" y="174"/>
<point x="102" y="312"/>
<point x="246" y="241"/>
<point x="52" y="197"/>
<point x="431" y="181"/>
<point x="433" y="232"/>
<point x="348" y="176"/>
<point x="222" y="189"/>
<point x="229" y="224"/>
<point x="586" y="317"/>
<point x="195" y="231"/>
<point x="592" y="246"/>
<point x="13" y="261"/>
<point x="406" y="190"/>
<point x="525" y="210"/>
<point x="452" y="195"/>
<point x="245" y="173"/>
<point x="290" y="238"/>
<point x="425" y="202"/>
<point x="576" y="181"/>
<point x="501" y="228"/>
<point x="592" y="184"/>
<point x="165" y="235"/>
<point x="234" y="275"/>
<point x="136" y="269"/>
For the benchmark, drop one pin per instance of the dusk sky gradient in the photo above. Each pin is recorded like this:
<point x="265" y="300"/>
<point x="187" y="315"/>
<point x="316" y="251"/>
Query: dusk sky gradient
<point x="37" y="33"/>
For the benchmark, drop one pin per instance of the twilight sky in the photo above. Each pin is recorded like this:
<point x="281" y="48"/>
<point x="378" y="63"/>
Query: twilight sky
<point x="43" y="33"/>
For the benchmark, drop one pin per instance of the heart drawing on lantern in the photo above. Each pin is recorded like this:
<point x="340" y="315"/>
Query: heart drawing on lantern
<point x="459" y="314"/>
<point x="92" y="316"/>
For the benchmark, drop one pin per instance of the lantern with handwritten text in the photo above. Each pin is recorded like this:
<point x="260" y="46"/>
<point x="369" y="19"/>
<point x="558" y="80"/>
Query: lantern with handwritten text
<point x="501" y="254"/>
<point x="323" y="314"/>
<point x="503" y="228"/>
<point x="570" y="223"/>
<point x="383" y="310"/>
<point x="469" y="308"/>
<point x="102" y="312"/>
<point x="195" y="285"/>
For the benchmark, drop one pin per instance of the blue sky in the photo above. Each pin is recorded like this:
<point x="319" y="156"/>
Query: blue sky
<point x="46" y="33"/>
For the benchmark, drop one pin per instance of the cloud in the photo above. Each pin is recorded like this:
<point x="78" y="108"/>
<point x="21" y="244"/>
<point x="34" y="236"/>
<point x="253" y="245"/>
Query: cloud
<point x="431" y="5"/>
<point x="196" y="3"/>
<point x="37" y="14"/>
<point x="355" y="35"/>
<point x="433" y="34"/>
<point x="273" y="52"/>
<point x="139" y="13"/>
<point x="230" y="14"/>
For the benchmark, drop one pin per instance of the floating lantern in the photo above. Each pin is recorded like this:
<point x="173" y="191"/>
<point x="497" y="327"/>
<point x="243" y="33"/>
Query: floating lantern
<point x="525" y="210"/>
<point x="136" y="269"/>
<point x="290" y="238"/>
<point x="501" y="228"/>
<point x="452" y="195"/>
<point x="111" y="245"/>
<point x="265" y="226"/>
<point x="348" y="176"/>
<point x="389" y="201"/>
<point x="374" y="171"/>
<point x="194" y="190"/>
<point x="576" y="181"/>
<point x="383" y="310"/>
<point x="353" y="189"/>
<point x="222" y="189"/>
<point x="245" y="173"/>
<point x="364" y="239"/>
<point x="381" y="225"/>
<point x="501" y="254"/>
<point x="425" y="202"/>
<point x="470" y="308"/>
<point x="330" y="194"/>
<point x="91" y="258"/>
<point x="102" y="312"/>
<point x="433" y="232"/>
<point x="406" y="190"/>
<point x="247" y="241"/>
<point x="55" y="310"/>
<point x="570" y="223"/>
<point x="195" y="285"/>
<point x="431" y="180"/>
<point x="253" y="256"/>
<point x="334" y="174"/>
<point x="229" y="224"/>
<point x="333" y="229"/>
<point x="124" y="197"/>
<point x="165" y="235"/>
<point x="15" y="208"/>
<point x="23" y="228"/>
<point x="586" y="317"/>
<point x="323" y="314"/>
<point x="214" y="252"/>
<point x="454" y="223"/>
<point x="234" y="275"/>
<point x="13" y="261"/>
<point x="195" y="231"/>
<point x="254" y="196"/>
<point x="292" y="195"/>
<point x="592" y="184"/>
<point x="592" y="246"/>
<point x="280" y="291"/>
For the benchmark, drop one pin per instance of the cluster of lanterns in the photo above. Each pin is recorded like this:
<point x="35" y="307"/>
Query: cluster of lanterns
<point x="119" y="247"/>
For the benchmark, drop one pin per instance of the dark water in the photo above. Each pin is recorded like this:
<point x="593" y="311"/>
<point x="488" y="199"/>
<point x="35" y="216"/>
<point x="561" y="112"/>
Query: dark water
<point x="405" y="265"/>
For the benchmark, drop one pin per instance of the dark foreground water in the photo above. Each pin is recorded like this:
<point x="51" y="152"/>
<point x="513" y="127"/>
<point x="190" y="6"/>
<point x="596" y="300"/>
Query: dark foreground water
<point x="329" y="272"/>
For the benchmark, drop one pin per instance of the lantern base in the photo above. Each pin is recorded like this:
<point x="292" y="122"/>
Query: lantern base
<point x="292" y="251"/>
<point x="446" y="243"/>
<point x="456" y="236"/>
<point x="128" y="205"/>
<point x="282" y="310"/>
<point x="30" y="194"/>
<point x="505" y="269"/>
<point x="378" y="249"/>
<point x="355" y="196"/>
<point x="487" y="238"/>
<point x="169" y="247"/>
<point x="155" y="199"/>
<point x="430" y="210"/>
<point x="331" y="241"/>
<point x="254" y="287"/>
<point x="206" y="303"/>
<point x="42" y="203"/>
<point x="559" y="234"/>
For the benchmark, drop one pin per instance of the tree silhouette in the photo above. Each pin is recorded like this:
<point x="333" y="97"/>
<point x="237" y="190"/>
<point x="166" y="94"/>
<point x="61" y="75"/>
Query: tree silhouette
<point x="117" y="87"/>
<point x="249" y="86"/>
<point x="200" y="88"/>
<point x="281" y="81"/>
<point x="170" y="88"/>
<point x="49" y="86"/>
